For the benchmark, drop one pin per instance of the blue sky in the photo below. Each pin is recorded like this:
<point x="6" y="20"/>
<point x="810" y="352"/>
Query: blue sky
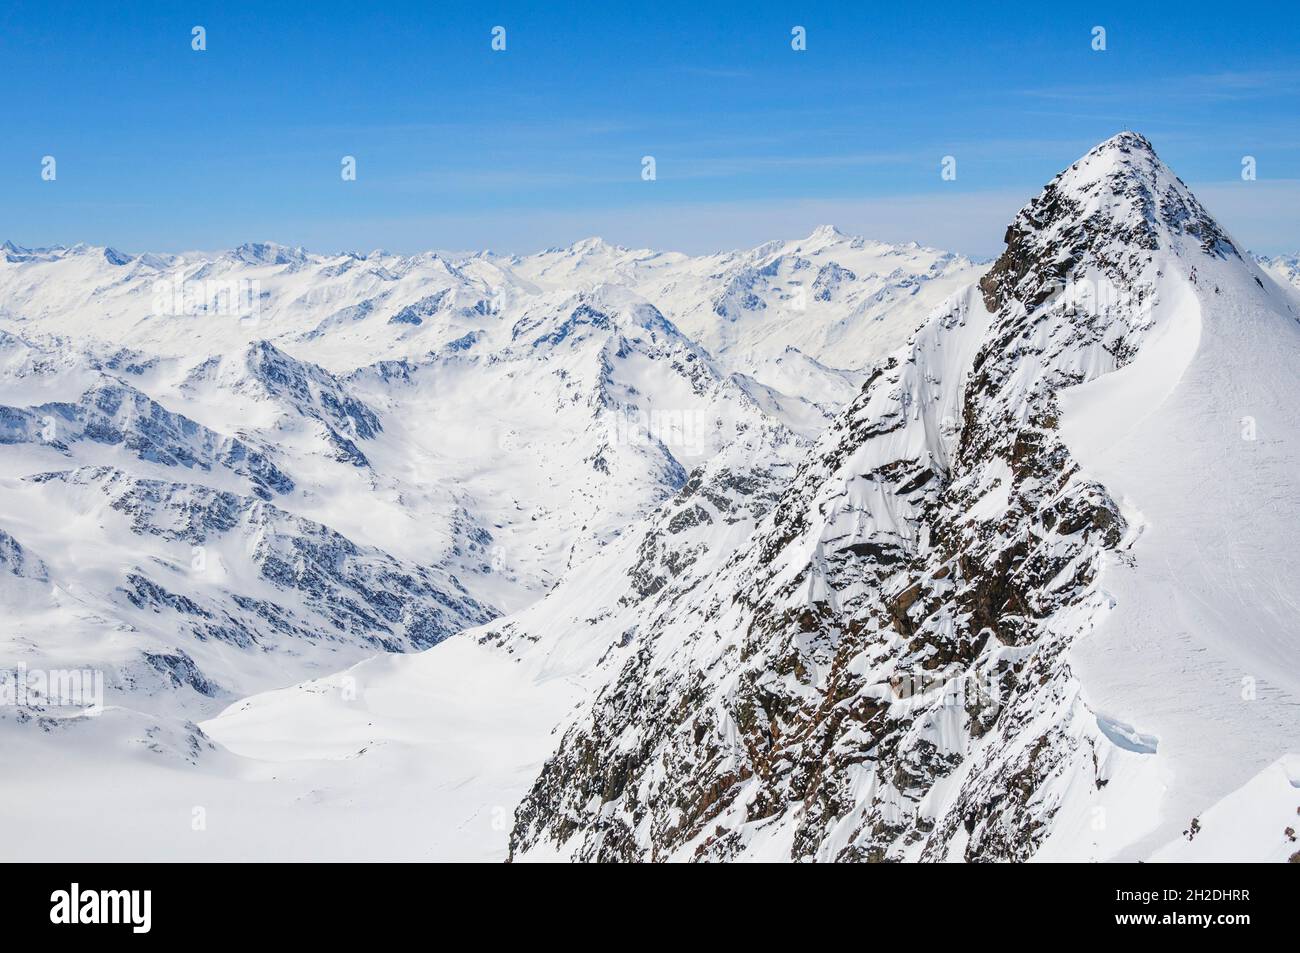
<point x="160" y="147"/>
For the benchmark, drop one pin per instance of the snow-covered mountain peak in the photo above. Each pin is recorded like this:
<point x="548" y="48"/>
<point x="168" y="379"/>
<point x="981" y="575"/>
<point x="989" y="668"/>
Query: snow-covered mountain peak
<point x="902" y="661"/>
<point x="622" y="302"/>
<point x="1123" y="187"/>
<point x="1283" y="268"/>
<point x="593" y="244"/>
<point x="593" y="247"/>
<point x="825" y="234"/>
<point x="266" y="253"/>
<point x="1098" y="224"/>
<point x="1125" y="142"/>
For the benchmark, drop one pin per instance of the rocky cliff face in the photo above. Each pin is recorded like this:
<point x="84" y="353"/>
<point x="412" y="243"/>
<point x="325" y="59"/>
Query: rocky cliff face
<point x="880" y="673"/>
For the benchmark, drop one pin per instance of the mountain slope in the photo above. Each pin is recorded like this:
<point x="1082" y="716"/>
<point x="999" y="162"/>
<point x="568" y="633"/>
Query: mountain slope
<point x="884" y="670"/>
<point x="311" y="518"/>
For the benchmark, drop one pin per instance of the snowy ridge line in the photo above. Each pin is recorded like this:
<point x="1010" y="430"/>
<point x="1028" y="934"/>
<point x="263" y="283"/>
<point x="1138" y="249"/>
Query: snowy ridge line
<point x="967" y="544"/>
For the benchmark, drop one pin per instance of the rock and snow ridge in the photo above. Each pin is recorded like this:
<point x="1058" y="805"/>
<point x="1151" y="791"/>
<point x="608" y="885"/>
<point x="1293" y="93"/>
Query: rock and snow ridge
<point x="1024" y="598"/>
<point x="929" y="650"/>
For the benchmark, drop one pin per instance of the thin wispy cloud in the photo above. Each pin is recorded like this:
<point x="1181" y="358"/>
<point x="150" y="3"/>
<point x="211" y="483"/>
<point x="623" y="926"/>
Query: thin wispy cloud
<point x="1220" y="87"/>
<point x="717" y="72"/>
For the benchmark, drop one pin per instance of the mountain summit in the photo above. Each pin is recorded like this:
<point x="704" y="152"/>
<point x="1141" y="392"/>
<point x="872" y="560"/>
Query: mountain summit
<point x="941" y="642"/>
<point x="1118" y="200"/>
